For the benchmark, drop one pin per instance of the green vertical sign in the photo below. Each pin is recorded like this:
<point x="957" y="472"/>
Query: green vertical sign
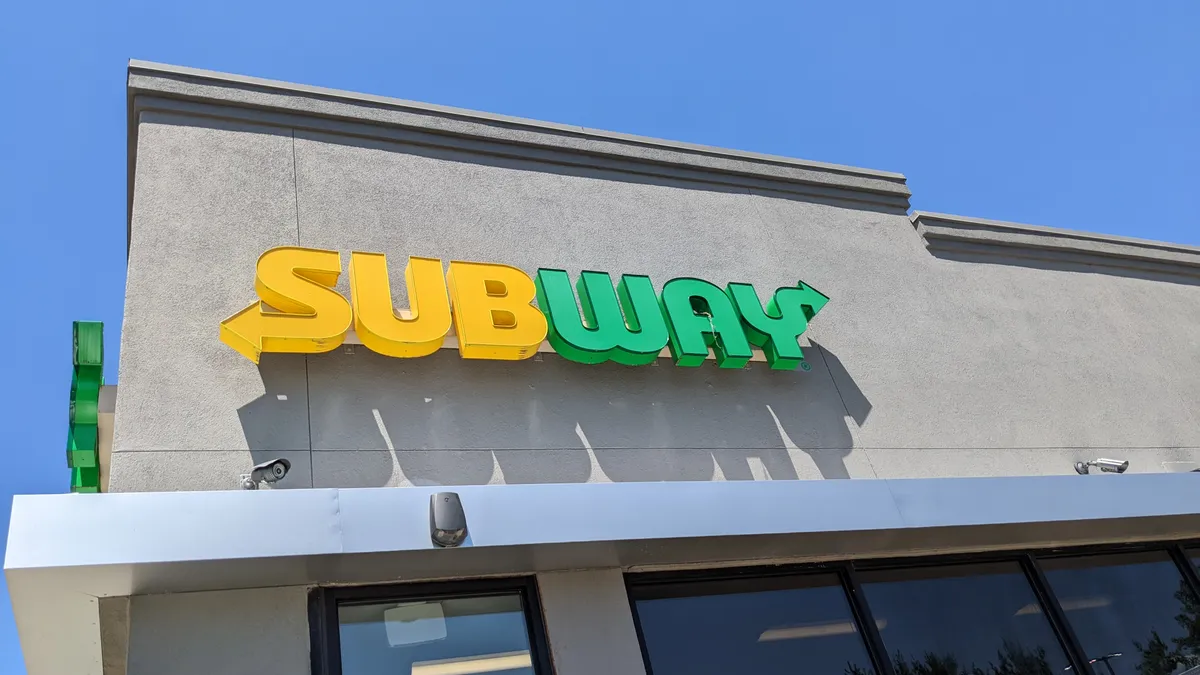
<point x="87" y="376"/>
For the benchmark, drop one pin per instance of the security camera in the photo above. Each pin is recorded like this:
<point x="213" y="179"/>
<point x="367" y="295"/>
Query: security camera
<point x="1105" y="465"/>
<point x="447" y="521"/>
<point x="267" y="472"/>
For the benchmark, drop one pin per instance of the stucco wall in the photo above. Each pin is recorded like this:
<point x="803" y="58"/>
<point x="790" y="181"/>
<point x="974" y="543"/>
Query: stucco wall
<point x="244" y="632"/>
<point x="924" y="363"/>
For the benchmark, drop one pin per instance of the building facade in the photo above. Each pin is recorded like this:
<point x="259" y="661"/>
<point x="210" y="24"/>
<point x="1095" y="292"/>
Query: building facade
<point x="828" y="435"/>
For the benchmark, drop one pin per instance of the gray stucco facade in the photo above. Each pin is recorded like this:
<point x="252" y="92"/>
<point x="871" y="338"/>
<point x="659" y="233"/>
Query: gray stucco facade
<point x="951" y="348"/>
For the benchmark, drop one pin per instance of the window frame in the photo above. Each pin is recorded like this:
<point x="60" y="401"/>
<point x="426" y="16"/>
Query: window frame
<point x="755" y="578"/>
<point x="325" y="649"/>
<point x="848" y="573"/>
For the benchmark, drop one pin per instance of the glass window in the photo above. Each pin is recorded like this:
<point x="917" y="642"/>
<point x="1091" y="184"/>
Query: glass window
<point x="800" y="624"/>
<point x="1132" y="613"/>
<point x="452" y="636"/>
<point x="963" y="620"/>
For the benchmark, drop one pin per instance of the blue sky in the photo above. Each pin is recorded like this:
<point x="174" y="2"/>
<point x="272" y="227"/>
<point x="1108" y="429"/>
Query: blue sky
<point x="1076" y="115"/>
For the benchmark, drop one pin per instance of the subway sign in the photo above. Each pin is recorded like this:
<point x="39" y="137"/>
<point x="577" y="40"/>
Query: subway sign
<point x="491" y="309"/>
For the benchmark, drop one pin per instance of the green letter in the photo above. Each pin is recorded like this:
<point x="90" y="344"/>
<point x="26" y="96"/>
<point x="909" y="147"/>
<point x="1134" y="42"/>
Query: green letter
<point x="700" y="316"/>
<point x="778" y="329"/>
<point x="603" y="333"/>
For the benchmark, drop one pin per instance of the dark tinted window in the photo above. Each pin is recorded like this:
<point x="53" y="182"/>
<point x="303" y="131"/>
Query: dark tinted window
<point x="435" y="637"/>
<point x="760" y="627"/>
<point x="963" y="620"/>
<point x="1133" y="614"/>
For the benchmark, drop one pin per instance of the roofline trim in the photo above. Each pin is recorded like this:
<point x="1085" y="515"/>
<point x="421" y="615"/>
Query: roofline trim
<point x="949" y="236"/>
<point x="946" y="219"/>
<point x="227" y="79"/>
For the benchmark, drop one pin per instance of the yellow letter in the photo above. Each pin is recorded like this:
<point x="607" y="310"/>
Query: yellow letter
<point x="375" y="319"/>
<point x="300" y="313"/>
<point x="492" y="311"/>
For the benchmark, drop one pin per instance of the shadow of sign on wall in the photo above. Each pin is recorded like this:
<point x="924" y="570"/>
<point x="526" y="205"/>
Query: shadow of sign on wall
<point x="442" y="420"/>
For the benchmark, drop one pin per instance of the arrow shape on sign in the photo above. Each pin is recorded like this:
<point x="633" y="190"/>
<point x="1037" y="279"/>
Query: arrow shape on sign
<point x="300" y="280"/>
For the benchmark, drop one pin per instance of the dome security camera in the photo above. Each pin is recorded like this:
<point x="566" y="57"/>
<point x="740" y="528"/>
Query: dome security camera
<point x="272" y="471"/>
